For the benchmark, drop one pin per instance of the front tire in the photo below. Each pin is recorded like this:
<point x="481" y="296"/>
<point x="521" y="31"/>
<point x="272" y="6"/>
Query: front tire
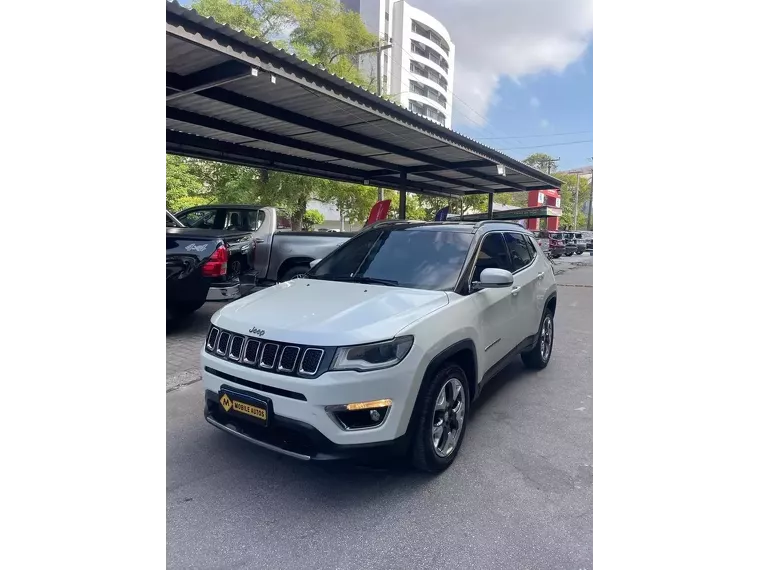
<point x="296" y="272"/>
<point x="540" y="355"/>
<point x="442" y="422"/>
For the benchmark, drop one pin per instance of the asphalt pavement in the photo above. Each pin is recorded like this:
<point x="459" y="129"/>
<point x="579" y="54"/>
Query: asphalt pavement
<point x="518" y="496"/>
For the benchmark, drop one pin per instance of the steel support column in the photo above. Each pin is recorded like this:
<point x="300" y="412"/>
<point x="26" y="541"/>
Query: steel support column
<point x="490" y="206"/>
<point x="402" y="201"/>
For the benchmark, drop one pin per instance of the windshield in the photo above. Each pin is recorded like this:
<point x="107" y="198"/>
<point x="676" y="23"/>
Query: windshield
<point x="417" y="257"/>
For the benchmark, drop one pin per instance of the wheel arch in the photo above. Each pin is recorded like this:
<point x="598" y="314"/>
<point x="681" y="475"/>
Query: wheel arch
<point x="550" y="303"/>
<point x="462" y="353"/>
<point x="291" y="262"/>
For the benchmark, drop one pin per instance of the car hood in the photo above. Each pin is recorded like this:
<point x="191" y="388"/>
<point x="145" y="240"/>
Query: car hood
<point x="328" y="313"/>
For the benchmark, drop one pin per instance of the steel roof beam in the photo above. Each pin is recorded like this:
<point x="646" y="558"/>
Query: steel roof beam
<point x="189" y="145"/>
<point x="267" y="109"/>
<point x="227" y="127"/>
<point x="221" y="74"/>
<point x="454" y="166"/>
<point x="457" y="182"/>
<point x="178" y="137"/>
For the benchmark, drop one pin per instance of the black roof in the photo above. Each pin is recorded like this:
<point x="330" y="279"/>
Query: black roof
<point x="237" y="99"/>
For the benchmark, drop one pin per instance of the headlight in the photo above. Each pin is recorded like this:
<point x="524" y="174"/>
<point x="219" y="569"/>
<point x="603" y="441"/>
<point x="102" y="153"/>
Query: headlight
<point x="372" y="356"/>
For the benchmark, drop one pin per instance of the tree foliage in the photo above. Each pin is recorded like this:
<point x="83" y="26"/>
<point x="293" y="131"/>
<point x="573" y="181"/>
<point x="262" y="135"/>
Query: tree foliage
<point x="541" y="161"/>
<point x="568" y="200"/>
<point x="183" y="188"/>
<point x="312" y="218"/>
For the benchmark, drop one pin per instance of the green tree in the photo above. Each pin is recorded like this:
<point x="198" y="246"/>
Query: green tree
<point x="257" y="18"/>
<point x="569" y="184"/>
<point x="312" y="218"/>
<point x="327" y="34"/>
<point x="541" y="161"/>
<point x="183" y="188"/>
<point x="414" y="208"/>
<point x="353" y="201"/>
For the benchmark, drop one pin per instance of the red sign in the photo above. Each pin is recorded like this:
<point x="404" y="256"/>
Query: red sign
<point x="379" y="212"/>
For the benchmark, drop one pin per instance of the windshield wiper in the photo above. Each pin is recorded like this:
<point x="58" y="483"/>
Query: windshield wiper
<point x="350" y="279"/>
<point x="375" y="281"/>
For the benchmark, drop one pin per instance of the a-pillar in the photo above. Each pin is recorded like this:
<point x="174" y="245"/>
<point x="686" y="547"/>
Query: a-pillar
<point x="402" y="198"/>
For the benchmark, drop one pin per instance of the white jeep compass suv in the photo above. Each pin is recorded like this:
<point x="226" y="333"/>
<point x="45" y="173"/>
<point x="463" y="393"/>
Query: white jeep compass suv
<point x="384" y="344"/>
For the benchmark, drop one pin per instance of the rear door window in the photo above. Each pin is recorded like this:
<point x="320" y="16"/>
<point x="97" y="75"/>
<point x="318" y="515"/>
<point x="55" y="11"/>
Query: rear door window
<point x="201" y="219"/>
<point x="518" y="250"/>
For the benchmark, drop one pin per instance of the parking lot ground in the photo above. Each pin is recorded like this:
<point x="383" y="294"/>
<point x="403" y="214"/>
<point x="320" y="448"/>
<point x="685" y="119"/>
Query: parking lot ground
<point x="518" y="496"/>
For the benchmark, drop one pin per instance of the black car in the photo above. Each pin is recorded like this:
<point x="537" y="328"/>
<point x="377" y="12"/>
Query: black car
<point x="202" y="265"/>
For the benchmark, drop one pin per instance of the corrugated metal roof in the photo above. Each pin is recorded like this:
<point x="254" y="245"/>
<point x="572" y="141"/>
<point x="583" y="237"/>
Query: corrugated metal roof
<point x="238" y="99"/>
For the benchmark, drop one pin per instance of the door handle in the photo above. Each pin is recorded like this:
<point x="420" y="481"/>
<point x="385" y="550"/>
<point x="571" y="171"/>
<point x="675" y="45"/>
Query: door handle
<point x="540" y="275"/>
<point x="259" y="240"/>
<point x="515" y="291"/>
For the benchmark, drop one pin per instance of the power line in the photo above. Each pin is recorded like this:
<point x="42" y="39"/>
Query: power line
<point x="539" y="136"/>
<point x="546" y="145"/>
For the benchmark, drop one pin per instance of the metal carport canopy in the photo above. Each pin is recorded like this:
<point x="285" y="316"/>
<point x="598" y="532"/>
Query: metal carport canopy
<point x="237" y="99"/>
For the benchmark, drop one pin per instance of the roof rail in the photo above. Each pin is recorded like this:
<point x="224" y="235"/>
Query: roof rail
<point x="482" y="222"/>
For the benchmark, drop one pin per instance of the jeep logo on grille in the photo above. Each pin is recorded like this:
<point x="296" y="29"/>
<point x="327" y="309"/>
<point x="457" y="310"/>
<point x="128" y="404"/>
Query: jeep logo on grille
<point x="256" y="331"/>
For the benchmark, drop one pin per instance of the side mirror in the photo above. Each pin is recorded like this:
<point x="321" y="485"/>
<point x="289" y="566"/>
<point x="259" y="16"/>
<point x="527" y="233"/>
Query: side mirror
<point x="314" y="262"/>
<point x="492" y="278"/>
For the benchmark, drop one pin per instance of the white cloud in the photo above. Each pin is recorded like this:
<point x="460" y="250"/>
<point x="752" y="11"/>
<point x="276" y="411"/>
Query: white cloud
<point x="534" y="102"/>
<point x="508" y="38"/>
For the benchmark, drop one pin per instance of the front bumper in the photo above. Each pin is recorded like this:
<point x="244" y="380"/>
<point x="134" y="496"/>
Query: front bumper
<point x="296" y="439"/>
<point x="297" y="406"/>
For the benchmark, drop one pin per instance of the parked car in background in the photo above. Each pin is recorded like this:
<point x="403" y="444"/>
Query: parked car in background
<point x="544" y="241"/>
<point x="581" y="243"/>
<point x="280" y="253"/>
<point x="588" y="236"/>
<point x="552" y="243"/>
<point x="240" y="249"/>
<point x="198" y="263"/>
<point x="570" y="243"/>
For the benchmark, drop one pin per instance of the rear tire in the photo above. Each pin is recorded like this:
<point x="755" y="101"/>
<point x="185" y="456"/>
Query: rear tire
<point x="295" y="272"/>
<point x="540" y="355"/>
<point x="444" y="405"/>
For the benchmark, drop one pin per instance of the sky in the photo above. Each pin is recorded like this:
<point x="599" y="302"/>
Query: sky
<point x="523" y="74"/>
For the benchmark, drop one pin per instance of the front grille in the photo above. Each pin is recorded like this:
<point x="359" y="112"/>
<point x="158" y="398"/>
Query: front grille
<point x="251" y="351"/>
<point x="272" y="356"/>
<point x="213" y="336"/>
<point x="269" y="355"/>
<point x="288" y="359"/>
<point x="235" y="349"/>
<point x="312" y="358"/>
<point x="221" y="349"/>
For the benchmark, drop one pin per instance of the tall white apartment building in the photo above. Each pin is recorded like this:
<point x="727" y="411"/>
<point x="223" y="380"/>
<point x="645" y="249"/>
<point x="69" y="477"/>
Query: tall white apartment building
<point x="418" y="69"/>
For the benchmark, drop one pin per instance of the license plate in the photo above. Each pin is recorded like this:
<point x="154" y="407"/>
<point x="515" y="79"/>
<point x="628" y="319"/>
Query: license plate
<point x="259" y="411"/>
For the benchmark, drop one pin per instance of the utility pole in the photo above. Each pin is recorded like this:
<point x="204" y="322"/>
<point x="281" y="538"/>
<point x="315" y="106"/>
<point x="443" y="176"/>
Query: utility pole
<point x="379" y="48"/>
<point x="577" y="198"/>
<point x="549" y="163"/>
<point x="590" y="203"/>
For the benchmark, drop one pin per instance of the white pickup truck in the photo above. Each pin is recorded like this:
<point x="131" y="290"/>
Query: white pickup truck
<point x="385" y="343"/>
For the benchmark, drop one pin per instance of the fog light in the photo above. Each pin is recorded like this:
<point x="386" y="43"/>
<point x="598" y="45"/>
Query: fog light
<point x="360" y="415"/>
